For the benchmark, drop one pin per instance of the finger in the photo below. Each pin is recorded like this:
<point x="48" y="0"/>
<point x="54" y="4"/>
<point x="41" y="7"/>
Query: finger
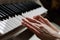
<point x="38" y="25"/>
<point x="31" y="28"/>
<point x="30" y="23"/>
<point x="42" y="27"/>
<point x="43" y="35"/>
<point x="38" y="18"/>
<point x="27" y="21"/>
<point x="32" y="20"/>
<point x="48" y="23"/>
<point x="38" y="32"/>
<point x="41" y="19"/>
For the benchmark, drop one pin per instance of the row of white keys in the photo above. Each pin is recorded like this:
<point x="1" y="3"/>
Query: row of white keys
<point x="10" y="24"/>
<point x="35" y="12"/>
<point x="4" y="26"/>
<point x="15" y="22"/>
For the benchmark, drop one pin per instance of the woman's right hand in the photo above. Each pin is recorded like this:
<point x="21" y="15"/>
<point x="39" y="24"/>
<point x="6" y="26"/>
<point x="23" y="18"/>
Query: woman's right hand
<point x="42" y="28"/>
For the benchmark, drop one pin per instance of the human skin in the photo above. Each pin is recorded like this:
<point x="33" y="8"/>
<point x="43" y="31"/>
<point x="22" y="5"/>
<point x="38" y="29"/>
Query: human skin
<point x="44" y="29"/>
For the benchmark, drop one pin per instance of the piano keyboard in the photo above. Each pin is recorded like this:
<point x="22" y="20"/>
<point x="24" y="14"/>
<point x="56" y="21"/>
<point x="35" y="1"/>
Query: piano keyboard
<point x="11" y="15"/>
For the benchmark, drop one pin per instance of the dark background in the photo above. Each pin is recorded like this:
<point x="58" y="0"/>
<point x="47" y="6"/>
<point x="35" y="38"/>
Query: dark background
<point x="53" y="7"/>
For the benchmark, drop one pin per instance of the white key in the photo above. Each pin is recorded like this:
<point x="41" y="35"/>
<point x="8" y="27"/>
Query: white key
<point x="20" y="19"/>
<point x="17" y="21"/>
<point x="8" y="26"/>
<point x="11" y="20"/>
<point x="1" y="31"/>
<point x="3" y="27"/>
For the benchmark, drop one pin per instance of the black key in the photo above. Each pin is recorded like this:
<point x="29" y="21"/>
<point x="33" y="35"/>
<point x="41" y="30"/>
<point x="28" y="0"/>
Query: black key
<point x="28" y="5"/>
<point x="21" y="6"/>
<point x="24" y="5"/>
<point x="1" y="18"/>
<point x="8" y="8"/>
<point x="9" y="11"/>
<point x="17" y="10"/>
<point x="13" y="8"/>
<point x="6" y="15"/>
<point x="5" y="10"/>
<point x="35" y="5"/>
